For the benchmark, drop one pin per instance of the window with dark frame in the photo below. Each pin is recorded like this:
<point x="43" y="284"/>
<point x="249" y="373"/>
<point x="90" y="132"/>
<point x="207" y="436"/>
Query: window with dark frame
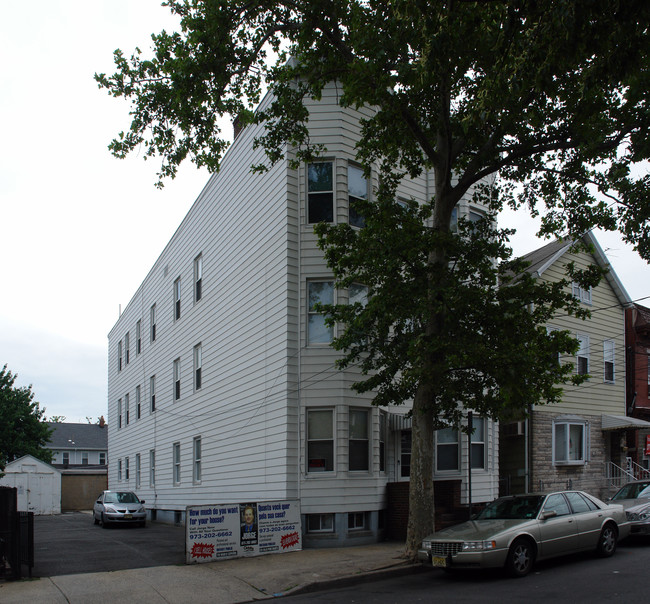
<point x="119" y="414"/>
<point x="152" y="323"/>
<point x="320" y="440"/>
<point x="405" y="453"/>
<point x="447" y="450"/>
<point x="152" y="393"/>
<point x="478" y="447"/>
<point x="138" y="338"/>
<point x="358" y="440"/>
<point x="320" y="193"/>
<point x="127" y="356"/>
<point x="177" y="463"/>
<point x="582" y="359"/>
<point x="198" y="363"/>
<point x="119" y="356"/>
<point x="127" y="411"/>
<point x="152" y="467"/>
<point x="198" y="278"/>
<point x="177" y="299"/>
<point x="608" y="360"/>
<point x="197" y="460"/>
<point x="138" y="403"/>
<point x="177" y="379"/>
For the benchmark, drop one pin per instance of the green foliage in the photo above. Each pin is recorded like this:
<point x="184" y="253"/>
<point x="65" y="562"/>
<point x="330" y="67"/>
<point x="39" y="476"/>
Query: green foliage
<point x="22" y="431"/>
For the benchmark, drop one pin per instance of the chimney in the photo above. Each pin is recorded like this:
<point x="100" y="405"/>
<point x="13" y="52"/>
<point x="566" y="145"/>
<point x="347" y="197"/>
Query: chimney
<point x="102" y="421"/>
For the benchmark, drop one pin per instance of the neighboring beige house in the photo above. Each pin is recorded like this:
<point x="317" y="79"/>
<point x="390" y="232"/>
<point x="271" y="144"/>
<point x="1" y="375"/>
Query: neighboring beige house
<point x="573" y="444"/>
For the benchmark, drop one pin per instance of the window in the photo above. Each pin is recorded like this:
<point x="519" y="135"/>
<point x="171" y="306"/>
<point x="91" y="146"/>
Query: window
<point x="177" y="463"/>
<point x="126" y="468"/>
<point x="358" y="443"/>
<point x="580" y="503"/>
<point x="177" y="299"/>
<point x="152" y="468"/>
<point x="127" y="357"/>
<point x="152" y="323"/>
<point x="581" y="293"/>
<point x="608" y="359"/>
<point x="320" y="523"/>
<point x="558" y="504"/>
<point x="119" y="356"/>
<point x="475" y="216"/>
<point x="447" y="450"/>
<point x="152" y="393"/>
<point x="648" y="361"/>
<point x="198" y="361"/>
<point x="119" y="469"/>
<point x="569" y="441"/>
<point x="137" y="471"/>
<point x="177" y="379"/>
<point x="357" y="191"/>
<point x="138" y="403"/>
<point x="320" y="193"/>
<point x="319" y="292"/>
<point x="583" y="354"/>
<point x="84" y="458"/>
<point x="102" y="459"/>
<point x="196" y="472"/>
<point x="358" y="293"/>
<point x="405" y="454"/>
<point x="320" y="440"/>
<point x="453" y="222"/>
<point x="478" y="443"/>
<point x="549" y="330"/>
<point x="119" y="414"/>
<point x="198" y="278"/>
<point x="127" y="413"/>
<point x="66" y="458"/>
<point x="382" y="441"/>
<point x="357" y="521"/>
<point x="138" y="338"/>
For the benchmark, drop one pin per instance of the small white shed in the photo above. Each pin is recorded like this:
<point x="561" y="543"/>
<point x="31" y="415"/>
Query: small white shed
<point x="38" y="484"/>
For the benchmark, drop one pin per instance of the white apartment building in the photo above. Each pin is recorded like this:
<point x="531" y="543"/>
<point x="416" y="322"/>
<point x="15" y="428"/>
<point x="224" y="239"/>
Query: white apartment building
<point x="221" y="383"/>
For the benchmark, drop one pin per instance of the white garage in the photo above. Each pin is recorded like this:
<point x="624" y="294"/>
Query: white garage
<point x="38" y="484"/>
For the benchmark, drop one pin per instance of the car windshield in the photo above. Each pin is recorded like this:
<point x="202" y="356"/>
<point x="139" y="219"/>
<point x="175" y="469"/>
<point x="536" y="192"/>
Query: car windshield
<point x="634" y="490"/>
<point x="121" y="497"/>
<point x="512" y="508"/>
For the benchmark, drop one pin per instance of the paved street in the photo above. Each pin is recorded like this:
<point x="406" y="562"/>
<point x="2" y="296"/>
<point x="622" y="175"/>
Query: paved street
<point x="70" y="543"/>
<point x="572" y="579"/>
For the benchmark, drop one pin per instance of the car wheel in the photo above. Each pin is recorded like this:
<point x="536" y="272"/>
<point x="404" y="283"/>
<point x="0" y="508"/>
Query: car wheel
<point x="104" y="523"/>
<point x="521" y="558"/>
<point x="95" y="519"/>
<point x="607" y="541"/>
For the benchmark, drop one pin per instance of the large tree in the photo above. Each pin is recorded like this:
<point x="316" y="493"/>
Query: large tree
<point x="547" y="98"/>
<point x="22" y="428"/>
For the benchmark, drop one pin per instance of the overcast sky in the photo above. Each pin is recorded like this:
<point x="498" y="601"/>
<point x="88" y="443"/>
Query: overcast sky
<point x="79" y="229"/>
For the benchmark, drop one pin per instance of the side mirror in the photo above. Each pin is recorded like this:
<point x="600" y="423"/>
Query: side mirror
<point x="549" y="514"/>
<point x="141" y="500"/>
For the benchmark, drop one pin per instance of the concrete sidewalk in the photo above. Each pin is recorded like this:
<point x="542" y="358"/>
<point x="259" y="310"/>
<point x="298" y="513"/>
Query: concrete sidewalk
<point x="224" y="582"/>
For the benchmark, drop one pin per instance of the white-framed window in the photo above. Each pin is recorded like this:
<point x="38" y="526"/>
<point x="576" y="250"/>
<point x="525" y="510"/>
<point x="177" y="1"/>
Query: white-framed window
<point x="119" y="470"/>
<point x="177" y="299"/>
<point x="138" y="338"/>
<point x="138" y="470"/>
<point x="581" y="293"/>
<point x="358" y="293"/>
<point x="198" y="278"/>
<point x="453" y="222"/>
<point x="119" y="413"/>
<point x="66" y="458"/>
<point x="127" y="347"/>
<point x="126" y="468"/>
<point x="320" y="523"/>
<point x="319" y="292"/>
<point x="582" y="357"/>
<point x="357" y="521"/>
<point x="152" y="323"/>
<point x="357" y="191"/>
<point x="196" y="465"/>
<point x="152" y="467"/>
<point x="177" y="463"/>
<point x="127" y="410"/>
<point x="570" y="436"/>
<point x="320" y="192"/>
<point x="447" y="450"/>
<point x="177" y="379"/>
<point x="609" y="361"/>
<point x="550" y="329"/>
<point x="119" y="355"/>
<point x="152" y="393"/>
<point x="475" y="216"/>
<point x="198" y="363"/>
<point x="84" y="458"/>
<point x="320" y="440"/>
<point x="358" y="443"/>
<point x="138" y="402"/>
<point x="405" y="445"/>
<point x="478" y="442"/>
<point x="383" y="427"/>
<point x="102" y="459"/>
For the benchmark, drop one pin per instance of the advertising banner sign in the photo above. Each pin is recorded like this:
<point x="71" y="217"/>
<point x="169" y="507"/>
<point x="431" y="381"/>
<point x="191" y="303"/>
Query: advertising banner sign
<point x="234" y="530"/>
<point x="647" y="445"/>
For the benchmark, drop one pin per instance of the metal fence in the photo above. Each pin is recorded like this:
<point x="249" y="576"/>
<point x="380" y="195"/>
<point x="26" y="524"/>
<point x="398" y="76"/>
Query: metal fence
<point x="16" y="536"/>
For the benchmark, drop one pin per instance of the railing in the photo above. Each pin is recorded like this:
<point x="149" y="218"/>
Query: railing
<point x="616" y="476"/>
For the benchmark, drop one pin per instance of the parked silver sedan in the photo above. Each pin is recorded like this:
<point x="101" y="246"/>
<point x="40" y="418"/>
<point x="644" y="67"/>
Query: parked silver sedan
<point x="635" y="498"/>
<point x="119" y="507"/>
<point x="513" y="532"/>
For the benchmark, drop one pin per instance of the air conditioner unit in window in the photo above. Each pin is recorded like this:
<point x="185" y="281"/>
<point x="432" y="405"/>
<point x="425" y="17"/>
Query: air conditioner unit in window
<point x="514" y="429"/>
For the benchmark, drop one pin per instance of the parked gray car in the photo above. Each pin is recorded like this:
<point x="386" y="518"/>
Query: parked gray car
<point x="119" y="507"/>
<point x="635" y="498"/>
<point x="513" y="532"/>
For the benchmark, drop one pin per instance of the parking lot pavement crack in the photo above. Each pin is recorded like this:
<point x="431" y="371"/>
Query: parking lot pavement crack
<point x="59" y="589"/>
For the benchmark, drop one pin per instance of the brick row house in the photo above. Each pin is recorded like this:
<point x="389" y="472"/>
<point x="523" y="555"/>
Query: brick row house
<point x="221" y="382"/>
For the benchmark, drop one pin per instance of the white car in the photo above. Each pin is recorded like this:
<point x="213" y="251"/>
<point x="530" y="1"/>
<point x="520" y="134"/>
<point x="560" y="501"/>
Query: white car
<point x="119" y="507"/>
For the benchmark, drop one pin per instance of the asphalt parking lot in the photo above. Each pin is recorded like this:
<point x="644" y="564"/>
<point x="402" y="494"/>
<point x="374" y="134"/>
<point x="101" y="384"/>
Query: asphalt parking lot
<point x="71" y="543"/>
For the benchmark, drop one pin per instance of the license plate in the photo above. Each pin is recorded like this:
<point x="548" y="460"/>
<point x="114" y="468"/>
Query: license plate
<point x="128" y="516"/>
<point x="439" y="561"/>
